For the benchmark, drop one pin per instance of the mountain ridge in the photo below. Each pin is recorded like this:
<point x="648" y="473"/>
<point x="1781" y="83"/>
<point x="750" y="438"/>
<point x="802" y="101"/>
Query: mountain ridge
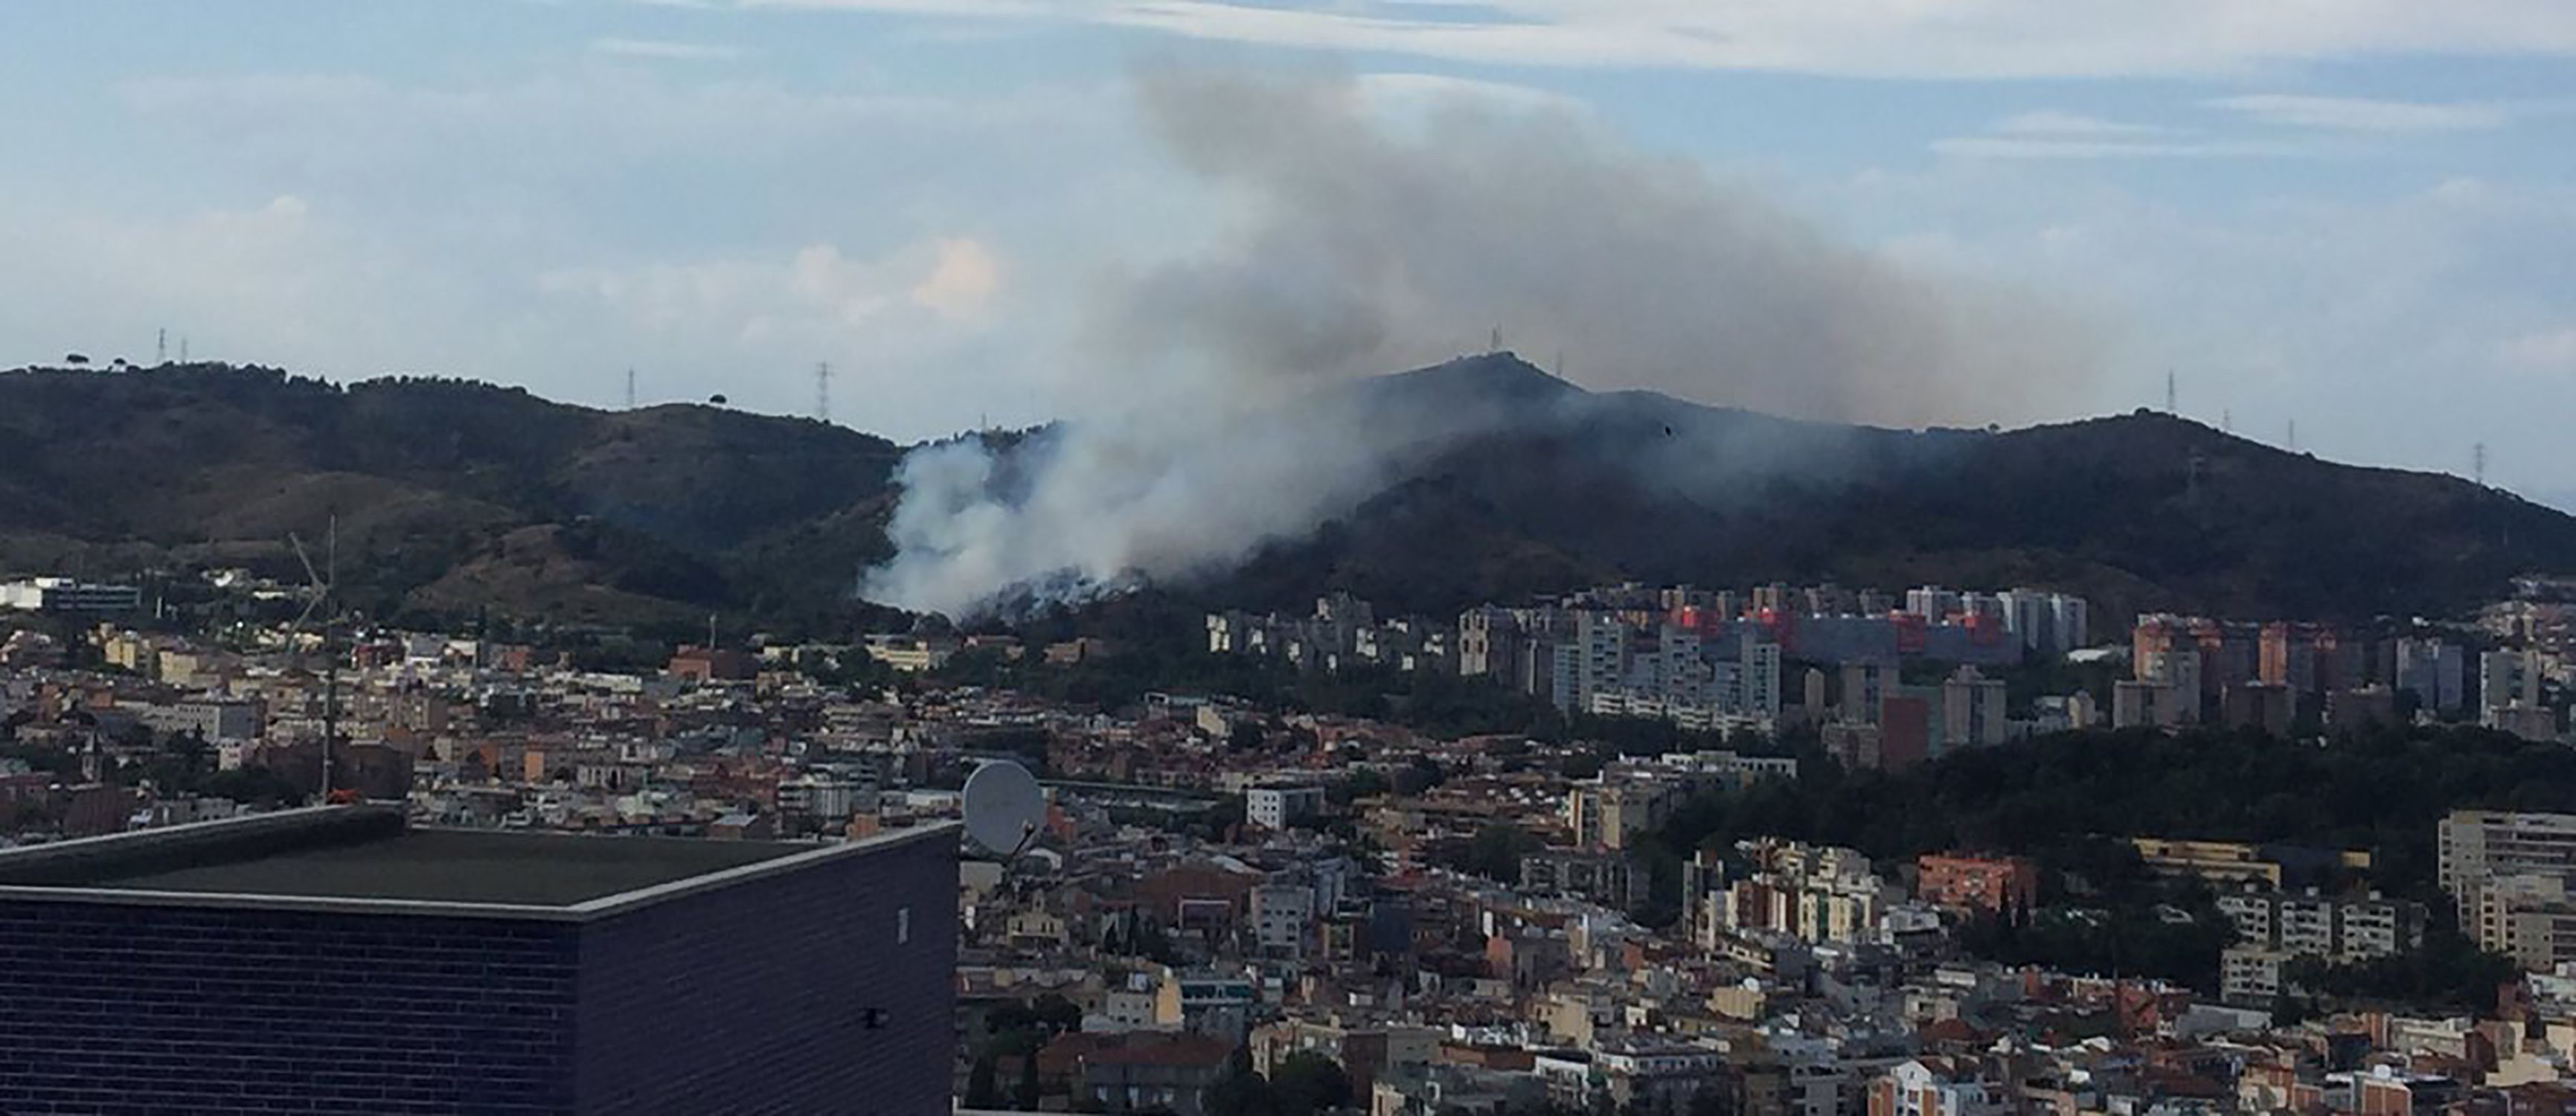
<point x="455" y="496"/>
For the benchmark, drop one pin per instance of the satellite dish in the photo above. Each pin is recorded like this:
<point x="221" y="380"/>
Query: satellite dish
<point x="1003" y="808"/>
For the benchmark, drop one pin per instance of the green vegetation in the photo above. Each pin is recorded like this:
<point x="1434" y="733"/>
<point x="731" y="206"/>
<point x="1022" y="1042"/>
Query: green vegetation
<point x="1496" y="851"/>
<point x="2449" y="972"/>
<point x="1303" y="1084"/>
<point x="2064" y="799"/>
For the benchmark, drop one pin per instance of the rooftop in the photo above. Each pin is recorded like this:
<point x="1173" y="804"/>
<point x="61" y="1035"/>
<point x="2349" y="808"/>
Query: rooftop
<point x="369" y="855"/>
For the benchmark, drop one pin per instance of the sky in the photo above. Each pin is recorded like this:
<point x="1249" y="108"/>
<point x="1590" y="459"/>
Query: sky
<point x="2355" y="216"/>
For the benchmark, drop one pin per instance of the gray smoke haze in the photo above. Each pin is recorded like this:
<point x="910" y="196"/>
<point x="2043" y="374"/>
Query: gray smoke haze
<point x="1366" y="245"/>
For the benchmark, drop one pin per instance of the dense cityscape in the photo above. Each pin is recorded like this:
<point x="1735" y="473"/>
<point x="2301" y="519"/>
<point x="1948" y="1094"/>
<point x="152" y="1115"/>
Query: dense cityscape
<point x="1287" y="558"/>
<point x="1687" y="883"/>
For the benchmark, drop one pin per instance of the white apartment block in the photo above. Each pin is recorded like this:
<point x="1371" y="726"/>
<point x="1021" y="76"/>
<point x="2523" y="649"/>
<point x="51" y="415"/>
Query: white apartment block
<point x="2475" y="845"/>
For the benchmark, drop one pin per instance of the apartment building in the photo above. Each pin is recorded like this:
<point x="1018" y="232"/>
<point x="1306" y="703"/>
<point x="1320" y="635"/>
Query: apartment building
<point x="2474" y="845"/>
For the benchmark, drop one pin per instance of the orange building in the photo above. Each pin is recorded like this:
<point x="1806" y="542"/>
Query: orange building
<point x="1978" y="883"/>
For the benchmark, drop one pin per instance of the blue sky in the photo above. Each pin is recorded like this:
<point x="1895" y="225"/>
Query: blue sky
<point x="2354" y="214"/>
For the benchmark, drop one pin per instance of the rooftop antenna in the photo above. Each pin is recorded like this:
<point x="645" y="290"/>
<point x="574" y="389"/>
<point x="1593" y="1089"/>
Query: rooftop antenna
<point x="2478" y="463"/>
<point x="630" y="389"/>
<point x="322" y="585"/>
<point x="2170" y="409"/>
<point x="823" y="391"/>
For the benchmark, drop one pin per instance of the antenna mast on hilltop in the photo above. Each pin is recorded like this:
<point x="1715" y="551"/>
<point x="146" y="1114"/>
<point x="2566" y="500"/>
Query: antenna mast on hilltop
<point x="2478" y="464"/>
<point x="183" y="348"/>
<point x="823" y="391"/>
<point x="2170" y="409"/>
<point x="2294" y="435"/>
<point x="1497" y="345"/>
<point x="630" y="389"/>
<point x="161" y="346"/>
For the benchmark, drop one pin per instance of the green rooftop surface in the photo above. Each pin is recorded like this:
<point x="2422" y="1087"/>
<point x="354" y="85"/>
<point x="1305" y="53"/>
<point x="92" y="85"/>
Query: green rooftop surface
<point x="447" y="866"/>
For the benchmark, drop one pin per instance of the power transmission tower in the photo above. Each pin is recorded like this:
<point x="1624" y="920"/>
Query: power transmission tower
<point x="823" y="391"/>
<point x="183" y="348"/>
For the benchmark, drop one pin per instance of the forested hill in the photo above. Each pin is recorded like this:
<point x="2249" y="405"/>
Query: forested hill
<point x="2144" y="511"/>
<point x="459" y="498"/>
<point x="452" y="497"/>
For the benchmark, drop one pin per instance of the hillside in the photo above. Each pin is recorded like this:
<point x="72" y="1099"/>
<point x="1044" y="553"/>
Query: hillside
<point x="452" y="497"/>
<point x="2140" y="511"/>
<point x="457" y="499"/>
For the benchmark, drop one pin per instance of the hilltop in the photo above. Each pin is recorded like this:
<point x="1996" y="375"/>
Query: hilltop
<point x="456" y="498"/>
<point x="452" y="497"/>
<point x="2138" y="511"/>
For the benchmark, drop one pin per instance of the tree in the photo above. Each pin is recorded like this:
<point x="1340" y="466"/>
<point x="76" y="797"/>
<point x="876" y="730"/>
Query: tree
<point x="1419" y="775"/>
<point x="1240" y="1092"/>
<point x="1496" y="850"/>
<point x="1308" y="1082"/>
<point x="1027" y="1094"/>
<point x="1246" y="735"/>
<point x="980" y="1091"/>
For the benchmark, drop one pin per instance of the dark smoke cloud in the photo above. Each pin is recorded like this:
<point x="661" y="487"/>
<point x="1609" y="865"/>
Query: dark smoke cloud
<point x="1366" y="246"/>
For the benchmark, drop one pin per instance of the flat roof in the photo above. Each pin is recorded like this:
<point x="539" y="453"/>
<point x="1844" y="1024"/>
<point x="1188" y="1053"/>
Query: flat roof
<point x="461" y="866"/>
<point x="367" y="857"/>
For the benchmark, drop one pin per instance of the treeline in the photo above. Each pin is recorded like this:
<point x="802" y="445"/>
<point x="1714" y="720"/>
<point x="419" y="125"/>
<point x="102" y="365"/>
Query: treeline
<point x="2053" y="796"/>
<point x="2069" y="801"/>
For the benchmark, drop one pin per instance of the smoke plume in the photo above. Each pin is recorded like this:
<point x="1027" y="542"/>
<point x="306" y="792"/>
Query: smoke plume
<point x="1364" y="245"/>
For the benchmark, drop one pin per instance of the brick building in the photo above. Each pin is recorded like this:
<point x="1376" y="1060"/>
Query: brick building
<point x="1977" y="883"/>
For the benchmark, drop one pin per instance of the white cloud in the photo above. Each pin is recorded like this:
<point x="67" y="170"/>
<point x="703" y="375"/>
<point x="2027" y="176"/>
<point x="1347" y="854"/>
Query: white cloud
<point x="962" y="282"/>
<point x="665" y="49"/>
<point x="2079" y="147"/>
<point x="1403" y="92"/>
<point x="817" y="297"/>
<point x="2551" y="352"/>
<point x="2054" y="134"/>
<point x="2050" y="122"/>
<point x="1909" y="38"/>
<point x="2377" y="322"/>
<point x="2354" y="114"/>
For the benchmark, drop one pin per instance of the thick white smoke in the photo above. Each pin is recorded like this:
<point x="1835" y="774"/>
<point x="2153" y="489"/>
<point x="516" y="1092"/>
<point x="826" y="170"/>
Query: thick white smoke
<point x="1366" y="247"/>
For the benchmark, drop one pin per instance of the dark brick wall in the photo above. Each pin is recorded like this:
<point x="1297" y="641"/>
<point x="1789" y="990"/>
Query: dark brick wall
<point x="127" y="1009"/>
<point x="790" y="994"/>
<point x="785" y="995"/>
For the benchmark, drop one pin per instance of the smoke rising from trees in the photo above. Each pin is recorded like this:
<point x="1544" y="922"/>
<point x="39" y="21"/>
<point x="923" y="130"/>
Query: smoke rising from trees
<point x="1364" y="245"/>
